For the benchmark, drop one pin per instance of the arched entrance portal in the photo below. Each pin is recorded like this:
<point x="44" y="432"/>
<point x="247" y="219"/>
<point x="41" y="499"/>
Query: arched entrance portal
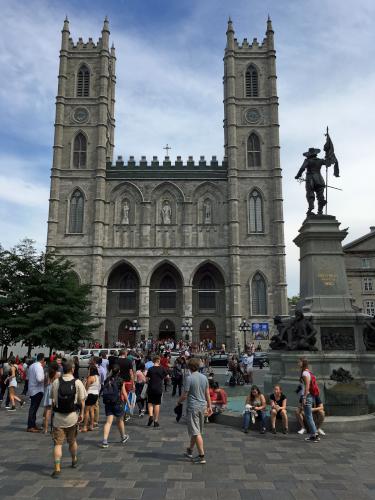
<point x="125" y="335"/>
<point x="167" y="330"/>
<point x="207" y="331"/>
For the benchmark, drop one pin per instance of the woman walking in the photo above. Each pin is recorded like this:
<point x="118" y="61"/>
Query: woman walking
<point x="92" y="387"/>
<point x="12" y="385"/>
<point x="53" y="374"/>
<point x="140" y="377"/>
<point x="155" y="377"/>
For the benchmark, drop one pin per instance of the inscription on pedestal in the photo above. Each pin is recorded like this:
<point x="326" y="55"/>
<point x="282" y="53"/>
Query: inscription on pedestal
<point x="339" y="338"/>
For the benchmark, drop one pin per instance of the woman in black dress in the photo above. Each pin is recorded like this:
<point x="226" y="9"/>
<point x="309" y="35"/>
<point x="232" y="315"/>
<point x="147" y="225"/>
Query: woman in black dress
<point x="155" y="377"/>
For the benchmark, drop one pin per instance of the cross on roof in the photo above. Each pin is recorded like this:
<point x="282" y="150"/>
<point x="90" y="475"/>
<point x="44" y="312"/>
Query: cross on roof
<point x="167" y="148"/>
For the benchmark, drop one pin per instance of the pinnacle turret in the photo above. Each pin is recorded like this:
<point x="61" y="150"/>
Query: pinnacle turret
<point x="269" y="25"/>
<point x="230" y="34"/>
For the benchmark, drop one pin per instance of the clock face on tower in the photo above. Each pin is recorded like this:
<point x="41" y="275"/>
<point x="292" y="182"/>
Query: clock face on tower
<point x="81" y="115"/>
<point x="252" y="115"/>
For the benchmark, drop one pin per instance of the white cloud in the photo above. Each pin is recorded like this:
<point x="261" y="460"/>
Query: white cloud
<point x="170" y="90"/>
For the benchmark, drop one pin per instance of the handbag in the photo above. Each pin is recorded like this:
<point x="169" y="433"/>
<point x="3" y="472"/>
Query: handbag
<point x="144" y="391"/>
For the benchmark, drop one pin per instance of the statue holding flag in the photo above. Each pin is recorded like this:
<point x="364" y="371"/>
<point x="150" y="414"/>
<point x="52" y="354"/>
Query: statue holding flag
<point x="314" y="181"/>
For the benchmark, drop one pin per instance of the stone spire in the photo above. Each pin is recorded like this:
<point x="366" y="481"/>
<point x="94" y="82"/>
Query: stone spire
<point x="105" y="33"/>
<point x="230" y="34"/>
<point x="65" y="34"/>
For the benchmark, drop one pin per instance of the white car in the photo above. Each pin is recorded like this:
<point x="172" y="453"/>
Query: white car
<point x="84" y="355"/>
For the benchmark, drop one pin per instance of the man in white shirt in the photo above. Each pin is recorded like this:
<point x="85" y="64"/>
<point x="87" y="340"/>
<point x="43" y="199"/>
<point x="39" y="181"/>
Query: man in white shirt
<point x="35" y="391"/>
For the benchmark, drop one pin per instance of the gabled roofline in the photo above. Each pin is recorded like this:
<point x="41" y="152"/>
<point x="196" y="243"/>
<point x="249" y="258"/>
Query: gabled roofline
<point x="365" y="237"/>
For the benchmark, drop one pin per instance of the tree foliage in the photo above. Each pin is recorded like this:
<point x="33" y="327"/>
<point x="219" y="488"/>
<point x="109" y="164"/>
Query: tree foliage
<point x="42" y="301"/>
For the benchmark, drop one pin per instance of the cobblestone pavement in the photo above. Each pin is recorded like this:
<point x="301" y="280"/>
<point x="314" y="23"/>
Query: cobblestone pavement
<point x="151" y="464"/>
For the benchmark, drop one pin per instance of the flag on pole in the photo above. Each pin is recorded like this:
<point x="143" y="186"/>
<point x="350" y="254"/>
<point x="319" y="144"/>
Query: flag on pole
<point x="330" y="155"/>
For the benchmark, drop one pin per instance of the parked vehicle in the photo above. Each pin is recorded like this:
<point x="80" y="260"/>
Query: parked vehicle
<point x="219" y="360"/>
<point x="261" y="359"/>
<point x="84" y="355"/>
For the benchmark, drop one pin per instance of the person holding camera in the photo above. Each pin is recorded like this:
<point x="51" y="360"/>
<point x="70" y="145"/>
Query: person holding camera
<point x="255" y="406"/>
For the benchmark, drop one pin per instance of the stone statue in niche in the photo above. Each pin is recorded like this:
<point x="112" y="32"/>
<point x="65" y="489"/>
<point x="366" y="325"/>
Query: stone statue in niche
<point x="166" y="213"/>
<point x="125" y="213"/>
<point x="207" y="212"/>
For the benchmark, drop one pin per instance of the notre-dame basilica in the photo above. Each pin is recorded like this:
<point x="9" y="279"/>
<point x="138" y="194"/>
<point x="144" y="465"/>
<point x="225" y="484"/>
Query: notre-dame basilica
<point x="184" y="248"/>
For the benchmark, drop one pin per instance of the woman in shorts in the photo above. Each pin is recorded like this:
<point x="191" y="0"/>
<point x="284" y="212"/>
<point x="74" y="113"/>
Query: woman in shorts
<point x="53" y="374"/>
<point x="115" y="409"/>
<point x="92" y="387"/>
<point x="12" y="385"/>
<point x="278" y="409"/>
<point x="255" y="406"/>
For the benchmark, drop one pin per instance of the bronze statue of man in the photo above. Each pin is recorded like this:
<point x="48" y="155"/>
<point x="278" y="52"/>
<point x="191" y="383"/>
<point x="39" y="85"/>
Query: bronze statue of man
<point x="314" y="180"/>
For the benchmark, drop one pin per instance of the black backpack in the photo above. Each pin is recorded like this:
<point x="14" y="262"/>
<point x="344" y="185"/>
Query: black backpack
<point x="111" y="391"/>
<point x="66" y="395"/>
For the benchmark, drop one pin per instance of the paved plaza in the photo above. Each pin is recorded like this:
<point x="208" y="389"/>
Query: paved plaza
<point x="151" y="466"/>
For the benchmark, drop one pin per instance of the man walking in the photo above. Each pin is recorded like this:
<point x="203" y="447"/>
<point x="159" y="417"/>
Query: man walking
<point x="35" y="391"/>
<point x="197" y="394"/>
<point x="68" y="397"/>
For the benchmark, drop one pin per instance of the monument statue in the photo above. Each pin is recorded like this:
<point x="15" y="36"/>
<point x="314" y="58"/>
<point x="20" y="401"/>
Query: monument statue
<point x="314" y="181"/>
<point x="207" y="212"/>
<point x="125" y="213"/>
<point x="369" y="334"/>
<point x="166" y="213"/>
<point x="297" y="334"/>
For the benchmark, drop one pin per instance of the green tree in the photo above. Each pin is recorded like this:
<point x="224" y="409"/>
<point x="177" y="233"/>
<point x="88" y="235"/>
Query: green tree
<point x="50" y="307"/>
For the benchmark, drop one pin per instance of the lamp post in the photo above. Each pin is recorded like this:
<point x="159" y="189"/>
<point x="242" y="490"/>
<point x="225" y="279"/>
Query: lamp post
<point x="244" y="327"/>
<point x="187" y="330"/>
<point x="136" y="328"/>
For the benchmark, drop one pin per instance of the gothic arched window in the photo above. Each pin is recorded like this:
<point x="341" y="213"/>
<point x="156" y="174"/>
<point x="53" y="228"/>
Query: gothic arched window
<point x="128" y="294"/>
<point x="76" y="212"/>
<point x="252" y="86"/>
<point x="79" y="151"/>
<point x="259" y="295"/>
<point x="256" y="212"/>
<point x="167" y="293"/>
<point x="83" y="82"/>
<point x="207" y="293"/>
<point x="253" y="151"/>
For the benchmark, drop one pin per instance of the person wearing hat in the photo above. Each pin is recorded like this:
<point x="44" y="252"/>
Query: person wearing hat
<point x="314" y="180"/>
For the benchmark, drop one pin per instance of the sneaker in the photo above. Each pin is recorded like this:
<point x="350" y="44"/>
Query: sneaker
<point x="22" y="404"/>
<point x="273" y="431"/>
<point x="302" y="431"/>
<point x="55" y="474"/>
<point x="199" y="460"/>
<point x="321" y="432"/>
<point x="313" y="439"/>
<point x="188" y="453"/>
<point x="7" y="407"/>
<point x="246" y="431"/>
<point x="156" y="424"/>
<point x="12" y="409"/>
<point x="263" y="430"/>
<point x="286" y="431"/>
<point x="74" y="462"/>
<point x="150" y="420"/>
<point x="127" y="418"/>
<point x="141" y="414"/>
<point x="125" y="438"/>
<point x="104" y="445"/>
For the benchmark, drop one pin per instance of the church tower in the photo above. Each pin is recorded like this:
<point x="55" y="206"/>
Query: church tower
<point x="256" y="247"/>
<point x="83" y="144"/>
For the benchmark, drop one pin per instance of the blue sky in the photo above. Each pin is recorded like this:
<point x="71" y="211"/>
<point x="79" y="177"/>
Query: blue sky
<point x="169" y="89"/>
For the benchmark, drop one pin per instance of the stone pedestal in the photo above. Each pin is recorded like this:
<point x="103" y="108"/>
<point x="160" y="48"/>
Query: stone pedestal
<point x="326" y="298"/>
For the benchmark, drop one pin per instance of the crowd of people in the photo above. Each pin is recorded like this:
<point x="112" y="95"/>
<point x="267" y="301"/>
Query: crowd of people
<point x="133" y="382"/>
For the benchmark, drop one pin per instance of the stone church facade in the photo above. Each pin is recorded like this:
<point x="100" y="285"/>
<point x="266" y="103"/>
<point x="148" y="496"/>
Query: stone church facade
<point x="171" y="244"/>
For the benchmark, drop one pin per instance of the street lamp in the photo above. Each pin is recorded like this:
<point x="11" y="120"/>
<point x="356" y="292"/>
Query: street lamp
<point x="244" y="327"/>
<point x="135" y="327"/>
<point x="187" y="329"/>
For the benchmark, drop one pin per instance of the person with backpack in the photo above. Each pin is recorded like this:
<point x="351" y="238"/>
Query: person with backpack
<point x="114" y="396"/>
<point x="68" y="402"/>
<point x="177" y="377"/>
<point x="309" y="391"/>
